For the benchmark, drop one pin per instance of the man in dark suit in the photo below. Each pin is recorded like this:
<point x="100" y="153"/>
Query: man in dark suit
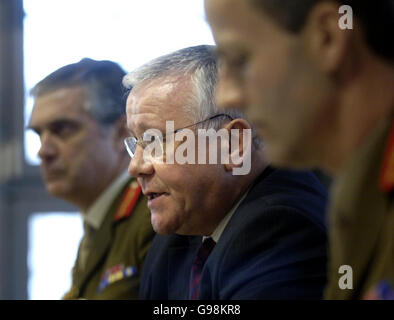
<point x="228" y="229"/>
<point x="273" y="247"/>
<point x="79" y="116"/>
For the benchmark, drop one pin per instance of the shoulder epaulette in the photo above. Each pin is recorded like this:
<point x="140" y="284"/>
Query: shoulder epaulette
<point x="386" y="182"/>
<point x="129" y="200"/>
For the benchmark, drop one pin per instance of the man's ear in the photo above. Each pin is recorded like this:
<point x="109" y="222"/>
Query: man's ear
<point x="326" y="43"/>
<point x="240" y="143"/>
<point x="120" y="133"/>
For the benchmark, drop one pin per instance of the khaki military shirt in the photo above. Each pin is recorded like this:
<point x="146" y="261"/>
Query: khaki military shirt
<point x="362" y="220"/>
<point x="117" y="248"/>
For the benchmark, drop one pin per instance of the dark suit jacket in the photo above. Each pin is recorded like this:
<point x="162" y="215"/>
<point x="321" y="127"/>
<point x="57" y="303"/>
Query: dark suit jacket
<point x="274" y="247"/>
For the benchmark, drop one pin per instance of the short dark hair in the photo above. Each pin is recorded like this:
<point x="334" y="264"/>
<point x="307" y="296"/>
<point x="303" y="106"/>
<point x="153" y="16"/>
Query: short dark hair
<point x="102" y="80"/>
<point x="377" y="18"/>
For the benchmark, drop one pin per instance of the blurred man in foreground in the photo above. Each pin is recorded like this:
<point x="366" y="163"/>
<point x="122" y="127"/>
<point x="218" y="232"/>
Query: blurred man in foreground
<point x="317" y="79"/>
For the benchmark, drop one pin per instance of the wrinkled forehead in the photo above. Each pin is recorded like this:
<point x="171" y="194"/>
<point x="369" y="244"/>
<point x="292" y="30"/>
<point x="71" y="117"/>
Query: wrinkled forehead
<point x="151" y="104"/>
<point x="220" y="12"/>
<point x="240" y="19"/>
<point x="59" y="103"/>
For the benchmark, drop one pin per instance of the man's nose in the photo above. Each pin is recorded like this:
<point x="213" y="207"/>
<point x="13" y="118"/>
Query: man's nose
<point x="48" y="147"/>
<point x="229" y="93"/>
<point x="139" y="166"/>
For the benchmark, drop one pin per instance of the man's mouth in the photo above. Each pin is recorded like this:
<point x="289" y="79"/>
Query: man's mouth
<point x="153" y="195"/>
<point x="52" y="174"/>
<point x="154" y="198"/>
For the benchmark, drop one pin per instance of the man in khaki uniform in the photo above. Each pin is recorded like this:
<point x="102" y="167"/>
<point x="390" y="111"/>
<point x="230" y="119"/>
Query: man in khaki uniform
<point x="317" y="77"/>
<point x="362" y="219"/>
<point x="80" y="118"/>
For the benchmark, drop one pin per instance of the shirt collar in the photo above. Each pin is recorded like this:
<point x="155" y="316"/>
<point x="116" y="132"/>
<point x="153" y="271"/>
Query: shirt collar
<point x="96" y="213"/>
<point x="222" y="225"/>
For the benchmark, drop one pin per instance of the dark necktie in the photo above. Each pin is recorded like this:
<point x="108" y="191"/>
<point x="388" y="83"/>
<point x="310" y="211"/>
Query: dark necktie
<point x="199" y="261"/>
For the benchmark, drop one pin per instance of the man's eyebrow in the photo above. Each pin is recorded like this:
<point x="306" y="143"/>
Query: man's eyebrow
<point x="227" y="50"/>
<point x="144" y="127"/>
<point x="130" y="132"/>
<point x="35" y="128"/>
<point x="218" y="52"/>
<point x="53" y="123"/>
<point x="30" y="127"/>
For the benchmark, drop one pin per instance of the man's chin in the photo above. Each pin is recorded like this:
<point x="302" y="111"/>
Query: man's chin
<point x="162" y="229"/>
<point x="57" y="189"/>
<point x="162" y="226"/>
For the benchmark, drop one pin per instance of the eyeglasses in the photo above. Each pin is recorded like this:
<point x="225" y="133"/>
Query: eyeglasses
<point x="131" y="143"/>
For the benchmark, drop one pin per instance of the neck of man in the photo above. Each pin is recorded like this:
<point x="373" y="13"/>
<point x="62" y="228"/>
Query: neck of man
<point x="234" y="188"/>
<point x="90" y="196"/>
<point x="365" y="101"/>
